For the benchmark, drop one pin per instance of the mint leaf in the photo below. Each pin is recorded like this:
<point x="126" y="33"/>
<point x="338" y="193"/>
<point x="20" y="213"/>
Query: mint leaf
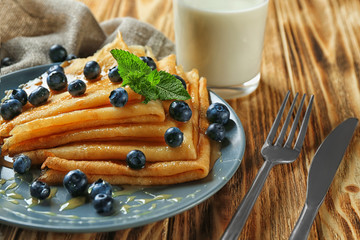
<point x="128" y="62"/>
<point x="154" y="78"/>
<point x="131" y="78"/>
<point x="149" y="83"/>
<point x="170" y="87"/>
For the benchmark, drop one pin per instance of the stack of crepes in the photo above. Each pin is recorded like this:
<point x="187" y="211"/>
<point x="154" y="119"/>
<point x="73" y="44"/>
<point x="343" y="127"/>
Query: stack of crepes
<point x="89" y="134"/>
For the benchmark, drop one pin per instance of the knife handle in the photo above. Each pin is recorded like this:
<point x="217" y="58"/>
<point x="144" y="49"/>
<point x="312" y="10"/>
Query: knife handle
<point x="304" y="223"/>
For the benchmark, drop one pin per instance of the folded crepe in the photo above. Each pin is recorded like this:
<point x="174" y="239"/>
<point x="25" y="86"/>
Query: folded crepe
<point x="89" y="134"/>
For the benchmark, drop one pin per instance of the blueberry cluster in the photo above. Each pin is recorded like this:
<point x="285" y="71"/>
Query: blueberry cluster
<point x="101" y="195"/>
<point x="76" y="183"/>
<point x="181" y="112"/>
<point x="100" y="192"/>
<point x="12" y="107"/>
<point x="56" y="81"/>
<point x="38" y="189"/>
<point x="218" y="115"/>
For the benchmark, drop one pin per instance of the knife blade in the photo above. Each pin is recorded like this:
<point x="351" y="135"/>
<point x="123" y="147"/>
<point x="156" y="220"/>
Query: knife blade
<point x="322" y="171"/>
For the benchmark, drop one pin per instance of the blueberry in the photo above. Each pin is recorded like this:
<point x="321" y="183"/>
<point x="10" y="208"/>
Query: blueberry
<point x="54" y="68"/>
<point x="181" y="79"/>
<point x="114" y="75"/>
<point x="56" y="81"/>
<point x="57" y="53"/>
<point x="149" y="61"/>
<point x="180" y="111"/>
<point x="118" y="97"/>
<point x="22" y="164"/>
<point x="75" y="182"/>
<point x="135" y="159"/>
<point x="216" y="132"/>
<point x="10" y="109"/>
<point x="19" y="95"/>
<point x="70" y="57"/>
<point x="77" y="88"/>
<point x="92" y="70"/>
<point x="100" y="186"/>
<point x="173" y="137"/>
<point x="218" y="113"/>
<point x="6" y="61"/>
<point x="39" y="96"/>
<point x="39" y="190"/>
<point x="103" y="204"/>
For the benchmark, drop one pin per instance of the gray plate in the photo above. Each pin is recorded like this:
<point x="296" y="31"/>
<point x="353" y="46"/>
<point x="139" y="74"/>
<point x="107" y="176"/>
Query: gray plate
<point x="135" y="205"/>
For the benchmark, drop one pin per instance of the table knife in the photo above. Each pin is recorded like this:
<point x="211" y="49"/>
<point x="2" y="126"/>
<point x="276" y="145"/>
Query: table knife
<point x="322" y="171"/>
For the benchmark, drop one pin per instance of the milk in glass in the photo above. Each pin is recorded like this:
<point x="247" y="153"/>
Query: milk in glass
<point x="223" y="39"/>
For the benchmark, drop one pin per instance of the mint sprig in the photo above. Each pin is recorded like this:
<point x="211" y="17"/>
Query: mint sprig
<point x="151" y="84"/>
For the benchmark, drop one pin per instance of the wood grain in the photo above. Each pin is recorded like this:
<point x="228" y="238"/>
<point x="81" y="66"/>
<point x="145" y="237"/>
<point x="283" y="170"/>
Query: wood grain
<point x="312" y="47"/>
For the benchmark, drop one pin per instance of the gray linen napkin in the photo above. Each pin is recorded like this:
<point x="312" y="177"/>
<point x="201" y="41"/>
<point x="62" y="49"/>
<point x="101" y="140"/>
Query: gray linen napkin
<point x="30" y="27"/>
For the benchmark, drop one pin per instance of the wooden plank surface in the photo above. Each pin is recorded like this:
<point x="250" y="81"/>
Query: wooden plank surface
<point x="312" y="47"/>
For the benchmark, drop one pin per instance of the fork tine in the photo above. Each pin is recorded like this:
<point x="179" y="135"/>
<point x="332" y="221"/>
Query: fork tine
<point x="276" y="123"/>
<point x="295" y="123"/>
<point x="304" y="125"/>
<point x="286" y="123"/>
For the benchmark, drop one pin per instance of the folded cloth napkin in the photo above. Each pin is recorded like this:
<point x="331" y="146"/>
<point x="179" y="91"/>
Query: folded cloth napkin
<point x="30" y="27"/>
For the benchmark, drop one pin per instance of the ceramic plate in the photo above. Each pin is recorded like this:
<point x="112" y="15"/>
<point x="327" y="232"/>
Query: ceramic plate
<point x="135" y="205"/>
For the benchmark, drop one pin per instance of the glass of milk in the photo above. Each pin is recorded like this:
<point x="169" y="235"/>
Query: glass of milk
<point x="224" y="40"/>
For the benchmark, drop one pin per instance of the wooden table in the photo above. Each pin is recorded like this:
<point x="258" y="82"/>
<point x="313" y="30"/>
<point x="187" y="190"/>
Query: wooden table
<point x="312" y="47"/>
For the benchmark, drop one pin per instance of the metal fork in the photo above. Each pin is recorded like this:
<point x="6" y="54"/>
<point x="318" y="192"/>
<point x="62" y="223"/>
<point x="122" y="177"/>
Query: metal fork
<point x="273" y="154"/>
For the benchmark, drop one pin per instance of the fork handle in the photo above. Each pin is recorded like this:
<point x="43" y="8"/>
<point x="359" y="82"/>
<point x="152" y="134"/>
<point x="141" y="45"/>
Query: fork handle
<point x="304" y="223"/>
<point x="238" y="221"/>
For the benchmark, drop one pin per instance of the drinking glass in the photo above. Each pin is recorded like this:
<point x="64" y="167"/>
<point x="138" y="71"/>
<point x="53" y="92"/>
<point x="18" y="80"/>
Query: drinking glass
<point x="224" y="40"/>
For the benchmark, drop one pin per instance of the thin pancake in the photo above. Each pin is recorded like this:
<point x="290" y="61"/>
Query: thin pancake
<point x="154" y="173"/>
<point x="89" y="134"/>
<point x="97" y="92"/>
<point x="134" y="132"/>
<point x="135" y="113"/>
<point x="159" y="173"/>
